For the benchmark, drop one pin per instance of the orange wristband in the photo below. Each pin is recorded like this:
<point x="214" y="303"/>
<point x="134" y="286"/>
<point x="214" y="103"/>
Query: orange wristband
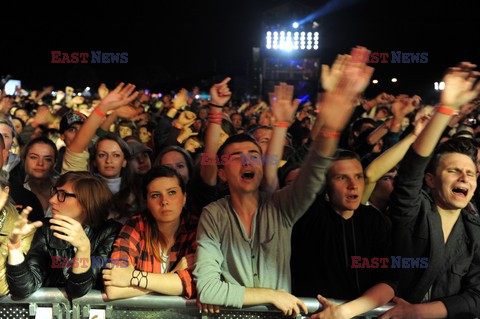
<point x="328" y="134"/>
<point x="14" y="246"/>
<point x="99" y="112"/>
<point x="446" y="110"/>
<point x="282" y="124"/>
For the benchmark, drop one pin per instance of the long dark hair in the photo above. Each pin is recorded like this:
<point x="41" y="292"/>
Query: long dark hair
<point x="154" y="238"/>
<point x="128" y="186"/>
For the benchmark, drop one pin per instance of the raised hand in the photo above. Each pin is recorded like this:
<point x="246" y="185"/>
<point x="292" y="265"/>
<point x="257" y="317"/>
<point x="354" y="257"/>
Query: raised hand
<point x="128" y="112"/>
<point x="72" y="232"/>
<point x="459" y="88"/>
<point x="120" y="96"/>
<point x="42" y="117"/>
<point x="331" y="76"/>
<point x="59" y="97"/>
<point x="420" y="124"/>
<point x="180" y="99"/>
<point x="283" y="107"/>
<point x="186" y="119"/>
<point x="355" y="75"/>
<point x="22" y="226"/>
<point x="185" y="134"/>
<point x="403" y="106"/>
<point x="220" y="93"/>
<point x="102" y="91"/>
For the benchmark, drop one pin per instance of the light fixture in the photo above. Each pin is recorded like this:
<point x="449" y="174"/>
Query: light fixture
<point x="295" y="25"/>
<point x="375" y="81"/>
<point x="394" y="80"/>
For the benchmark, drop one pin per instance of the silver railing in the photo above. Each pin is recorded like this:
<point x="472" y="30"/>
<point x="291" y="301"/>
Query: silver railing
<point x="54" y="303"/>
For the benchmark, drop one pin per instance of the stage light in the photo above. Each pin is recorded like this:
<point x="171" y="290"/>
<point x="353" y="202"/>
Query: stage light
<point x="291" y="40"/>
<point x="394" y="80"/>
<point x="375" y="81"/>
<point x="295" y="25"/>
<point x="441" y="86"/>
<point x="435" y="86"/>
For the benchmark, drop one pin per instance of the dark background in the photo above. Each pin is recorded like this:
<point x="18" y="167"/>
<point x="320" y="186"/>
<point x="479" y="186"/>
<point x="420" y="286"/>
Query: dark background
<point x="171" y="44"/>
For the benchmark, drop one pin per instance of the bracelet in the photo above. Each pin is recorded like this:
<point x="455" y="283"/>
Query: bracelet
<point x="99" y="112"/>
<point x="14" y="246"/>
<point x="329" y="134"/>
<point x="139" y="275"/>
<point x="282" y="124"/>
<point x="215" y="105"/>
<point x="215" y="113"/>
<point x="215" y="121"/>
<point x="35" y="124"/>
<point x="395" y="123"/>
<point x="446" y="110"/>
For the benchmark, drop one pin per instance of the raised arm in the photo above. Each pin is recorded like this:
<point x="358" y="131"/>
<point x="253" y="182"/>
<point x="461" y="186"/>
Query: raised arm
<point x="220" y="94"/>
<point x="283" y="109"/>
<point x="388" y="159"/>
<point x="120" y="96"/>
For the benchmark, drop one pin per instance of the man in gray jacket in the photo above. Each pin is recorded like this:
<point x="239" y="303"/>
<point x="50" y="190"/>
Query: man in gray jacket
<point x="243" y="255"/>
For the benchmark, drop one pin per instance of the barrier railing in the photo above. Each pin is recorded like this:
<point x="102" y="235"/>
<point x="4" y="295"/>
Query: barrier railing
<point x="53" y="303"/>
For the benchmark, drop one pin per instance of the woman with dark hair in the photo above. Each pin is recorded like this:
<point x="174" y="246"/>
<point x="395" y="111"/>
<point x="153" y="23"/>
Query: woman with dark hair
<point x="159" y="243"/>
<point x="178" y="159"/>
<point x="110" y="159"/>
<point x="39" y="157"/>
<point x="61" y="250"/>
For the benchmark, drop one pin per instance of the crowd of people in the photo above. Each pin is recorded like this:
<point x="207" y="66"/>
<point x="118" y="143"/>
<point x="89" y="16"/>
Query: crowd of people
<point x="371" y="201"/>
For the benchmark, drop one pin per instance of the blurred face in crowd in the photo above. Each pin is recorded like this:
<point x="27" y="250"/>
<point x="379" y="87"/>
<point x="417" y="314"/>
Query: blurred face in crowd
<point x="202" y="113"/>
<point x="263" y="137"/>
<point x="144" y="134"/>
<point x="110" y="159"/>
<point x="54" y="123"/>
<point x="6" y="132"/>
<point x="70" y="207"/>
<point x="124" y="131"/>
<point x="69" y="135"/>
<point x="176" y="161"/>
<point x="197" y="125"/>
<point x="346" y="184"/>
<point x="22" y="114"/>
<point x="241" y="174"/>
<point x="18" y="126"/>
<point x="192" y="145"/>
<point x="237" y="121"/>
<point x="384" y="187"/>
<point x="39" y="161"/>
<point x="165" y="199"/>
<point x="141" y="163"/>
<point x="454" y="181"/>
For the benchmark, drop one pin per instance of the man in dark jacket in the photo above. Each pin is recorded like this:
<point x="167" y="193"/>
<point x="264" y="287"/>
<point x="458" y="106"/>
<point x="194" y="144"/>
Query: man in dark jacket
<point x="439" y="227"/>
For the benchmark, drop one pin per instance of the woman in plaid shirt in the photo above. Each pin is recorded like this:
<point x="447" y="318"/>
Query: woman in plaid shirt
<point x="159" y="243"/>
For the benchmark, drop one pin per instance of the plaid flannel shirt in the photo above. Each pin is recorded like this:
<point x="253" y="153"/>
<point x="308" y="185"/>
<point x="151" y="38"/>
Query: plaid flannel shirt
<point x="131" y="245"/>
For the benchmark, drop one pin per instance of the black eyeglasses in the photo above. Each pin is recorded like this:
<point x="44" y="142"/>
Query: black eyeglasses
<point x="61" y="194"/>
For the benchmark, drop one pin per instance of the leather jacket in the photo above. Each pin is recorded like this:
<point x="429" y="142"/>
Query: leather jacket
<point x="41" y="269"/>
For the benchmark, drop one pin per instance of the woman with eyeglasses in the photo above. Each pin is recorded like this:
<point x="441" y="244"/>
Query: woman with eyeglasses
<point x="61" y="250"/>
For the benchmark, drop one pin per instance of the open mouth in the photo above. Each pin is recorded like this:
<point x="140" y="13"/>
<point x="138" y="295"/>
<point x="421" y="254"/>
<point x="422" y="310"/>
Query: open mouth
<point x="352" y="197"/>
<point x="248" y="175"/>
<point x="460" y="191"/>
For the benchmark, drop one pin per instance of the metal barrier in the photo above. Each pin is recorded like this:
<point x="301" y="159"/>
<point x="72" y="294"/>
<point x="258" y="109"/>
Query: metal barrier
<point x="96" y="305"/>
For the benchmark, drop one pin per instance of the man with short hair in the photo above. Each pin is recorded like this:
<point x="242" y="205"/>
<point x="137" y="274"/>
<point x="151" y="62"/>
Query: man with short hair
<point x="69" y="126"/>
<point x="438" y="226"/>
<point x="244" y="239"/>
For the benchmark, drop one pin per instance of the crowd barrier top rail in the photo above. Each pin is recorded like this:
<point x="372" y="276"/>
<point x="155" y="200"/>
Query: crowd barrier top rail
<point x="80" y="307"/>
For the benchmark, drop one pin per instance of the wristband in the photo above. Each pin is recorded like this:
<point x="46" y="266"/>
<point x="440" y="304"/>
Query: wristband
<point x="446" y="110"/>
<point x="14" y="246"/>
<point x="99" y="112"/>
<point x="282" y="124"/>
<point x="329" y="134"/>
<point x="215" y="105"/>
<point x="176" y="125"/>
<point x="395" y="123"/>
<point x="369" y="105"/>
<point x="35" y="124"/>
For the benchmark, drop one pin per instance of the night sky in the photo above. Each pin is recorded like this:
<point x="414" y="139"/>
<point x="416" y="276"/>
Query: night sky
<point x="176" y="43"/>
